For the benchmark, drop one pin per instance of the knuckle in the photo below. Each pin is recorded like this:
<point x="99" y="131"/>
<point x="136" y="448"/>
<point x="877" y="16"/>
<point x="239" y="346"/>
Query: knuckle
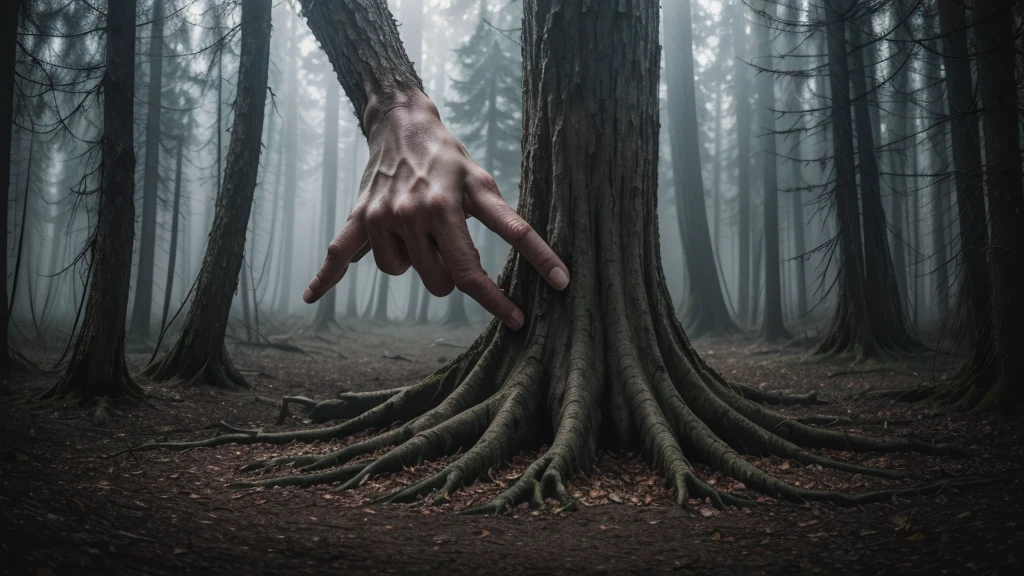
<point x="516" y="228"/>
<point x="438" y="203"/>
<point x="405" y="211"/>
<point x="376" y="215"/>
<point x="472" y="283"/>
<point x="334" y="251"/>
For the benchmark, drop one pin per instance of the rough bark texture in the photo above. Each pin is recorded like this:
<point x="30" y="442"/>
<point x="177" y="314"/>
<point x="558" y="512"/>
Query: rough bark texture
<point x="939" y="162"/>
<point x="7" y="60"/>
<point x="772" y="328"/>
<point x="603" y="363"/>
<point x="327" y="307"/>
<point x="1005" y="189"/>
<point x="900" y="136"/>
<point x="198" y="356"/>
<point x="142" y="311"/>
<point x="97" y="367"/>
<point x="704" y="308"/>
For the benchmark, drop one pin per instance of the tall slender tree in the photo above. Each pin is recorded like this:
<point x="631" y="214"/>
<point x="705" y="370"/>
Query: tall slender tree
<point x="326" y="308"/>
<point x="741" y="95"/>
<point x="704" y="308"/>
<point x="142" y="311"/>
<point x="772" y="328"/>
<point x="97" y="366"/>
<point x="199" y="355"/>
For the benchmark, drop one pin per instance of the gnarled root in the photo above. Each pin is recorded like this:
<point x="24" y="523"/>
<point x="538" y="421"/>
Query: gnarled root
<point x="568" y="387"/>
<point x="183" y="367"/>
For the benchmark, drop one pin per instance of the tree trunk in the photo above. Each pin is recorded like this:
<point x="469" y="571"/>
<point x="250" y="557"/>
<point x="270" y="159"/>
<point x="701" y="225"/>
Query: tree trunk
<point x="97" y="366"/>
<point x="291" y="142"/>
<point x="704" y="308"/>
<point x="7" y="64"/>
<point x="885" y="312"/>
<point x="741" y="93"/>
<point x="326" y="309"/>
<point x="172" y="251"/>
<point x="772" y="328"/>
<point x="380" y="307"/>
<point x="994" y="23"/>
<point x="716" y="181"/>
<point x="142" y="311"/>
<point x="199" y="355"/>
<point x="850" y="330"/>
<point x="939" y="165"/>
<point x="900" y="138"/>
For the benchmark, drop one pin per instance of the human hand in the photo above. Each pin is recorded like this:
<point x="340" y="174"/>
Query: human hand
<point x="418" y="188"/>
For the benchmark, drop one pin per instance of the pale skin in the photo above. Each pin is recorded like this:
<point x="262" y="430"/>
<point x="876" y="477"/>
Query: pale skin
<point x="419" y="187"/>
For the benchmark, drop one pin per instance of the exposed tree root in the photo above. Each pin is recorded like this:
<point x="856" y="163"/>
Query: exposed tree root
<point x="216" y="370"/>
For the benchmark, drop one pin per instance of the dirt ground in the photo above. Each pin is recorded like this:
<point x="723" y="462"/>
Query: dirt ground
<point x="68" y="506"/>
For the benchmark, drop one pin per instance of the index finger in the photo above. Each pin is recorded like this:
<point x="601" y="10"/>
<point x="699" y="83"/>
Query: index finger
<point x="340" y="252"/>
<point x="491" y="209"/>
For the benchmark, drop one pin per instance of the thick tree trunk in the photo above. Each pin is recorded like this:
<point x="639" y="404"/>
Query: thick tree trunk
<point x="172" y="251"/>
<point x="142" y="311"/>
<point x="326" y="308"/>
<point x="772" y="328"/>
<point x="741" y="94"/>
<point x="97" y="367"/>
<point x="993" y="22"/>
<point x="199" y="355"/>
<point x="704" y="308"/>
<point x="9" y="16"/>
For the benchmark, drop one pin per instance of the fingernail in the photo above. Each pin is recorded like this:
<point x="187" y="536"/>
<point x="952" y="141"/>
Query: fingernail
<point x="558" y="278"/>
<point x="515" y="321"/>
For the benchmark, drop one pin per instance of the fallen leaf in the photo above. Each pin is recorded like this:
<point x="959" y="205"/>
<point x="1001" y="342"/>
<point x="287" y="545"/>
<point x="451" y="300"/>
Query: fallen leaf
<point x="485" y="533"/>
<point x="648" y="499"/>
<point x="615" y="498"/>
<point x="916" y="537"/>
<point x="194" y="496"/>
<point x="706" y="511"/>
<point x="717" y="535"/>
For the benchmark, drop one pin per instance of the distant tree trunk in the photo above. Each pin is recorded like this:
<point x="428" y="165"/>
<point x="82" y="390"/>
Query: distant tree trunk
<point x="741" y="93"/>
<point x="291" y="142"/>
<point x="994" y="25"/>
<point x="275" y="207"/>
<point x="172" y="251"/>
<point x="9" y="16"/>
<point x="422" y="316"/>
<point x="22" y="227"/>
<point x="939" y="164"/>
<point x="380" y="304"/>
<point x="793" y="106"/>
<point x="352" y="306"/>
<point x="704" y="308"/>
<point x="456" y="315"/>
<point x="326" y="309"/>
<point x="757" y="251"/>
<point x="898" y="126"/>
<point x="97" y="366"/>
<point x="884" y="309"/>
<point x="199" y="355"/>
<point x="716" y="179"/>
<point x="142" y="311"/>
<point x="850" y="330"/>
<point x="773" y="327"/>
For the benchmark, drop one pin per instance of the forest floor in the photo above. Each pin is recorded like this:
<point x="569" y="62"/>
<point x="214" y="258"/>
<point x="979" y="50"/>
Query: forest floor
<point x="67" y="506"/>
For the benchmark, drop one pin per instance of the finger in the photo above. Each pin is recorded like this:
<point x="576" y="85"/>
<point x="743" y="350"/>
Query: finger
<point x="463" y="263"/>
<point x="490" y="208"/>
<point x="339" y="253"/>
<point x="428" y="263"/>
<point x="362" y="252"/>
<point x="389" y="251"/>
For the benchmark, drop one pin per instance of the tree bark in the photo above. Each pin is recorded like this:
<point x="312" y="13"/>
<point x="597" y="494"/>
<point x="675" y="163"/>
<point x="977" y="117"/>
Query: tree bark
<point x="97" y="366"/>
<point x="993" y="22"/>
<point x="704" y="308"/>
<point x="291" y="143"/>
<point x="10" y="16"/>
<point x="199" y="356"/>
<point x="142" y="311"/>
<point x="900" y="137"/>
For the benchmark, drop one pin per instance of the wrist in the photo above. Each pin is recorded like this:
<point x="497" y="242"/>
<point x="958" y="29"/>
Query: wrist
<point x="379" y="106"/>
